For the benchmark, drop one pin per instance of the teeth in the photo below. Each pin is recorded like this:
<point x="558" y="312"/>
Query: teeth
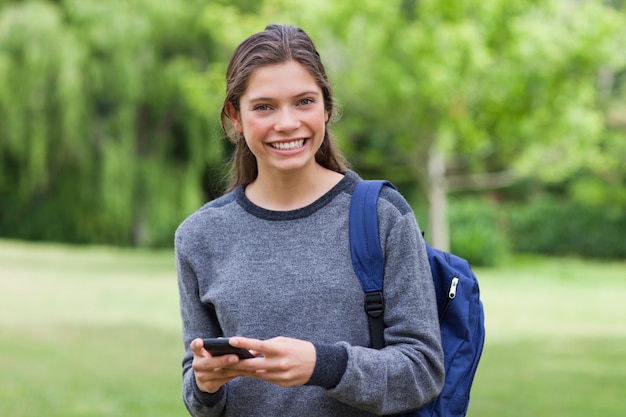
<point x="285" y="146"/>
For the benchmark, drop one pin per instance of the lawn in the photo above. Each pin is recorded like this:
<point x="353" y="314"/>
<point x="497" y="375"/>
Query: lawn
<point x="88" y="332"/>
<point x="556" y="340"/>
<point x="95" y="332"/>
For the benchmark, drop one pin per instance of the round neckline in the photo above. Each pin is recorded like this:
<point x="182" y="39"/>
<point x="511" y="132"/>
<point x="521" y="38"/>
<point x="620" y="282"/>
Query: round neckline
<point x="301" y="212"/>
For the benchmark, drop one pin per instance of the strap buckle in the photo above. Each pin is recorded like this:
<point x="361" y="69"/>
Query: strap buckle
<point x="374" y="303"/>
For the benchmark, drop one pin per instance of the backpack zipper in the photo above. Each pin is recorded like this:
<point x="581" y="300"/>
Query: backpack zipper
<point x="452" y="292"/>
<point x="451" y="295"/>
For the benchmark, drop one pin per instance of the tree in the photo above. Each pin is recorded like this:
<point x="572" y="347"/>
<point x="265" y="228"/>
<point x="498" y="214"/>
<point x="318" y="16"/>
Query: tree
<point x="106" y="137"/>
<point x="110" y="109"/>
<point x="472" y="87"/>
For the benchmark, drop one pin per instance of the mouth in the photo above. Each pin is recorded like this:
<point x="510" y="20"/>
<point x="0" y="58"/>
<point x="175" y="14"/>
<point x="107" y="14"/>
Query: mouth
<point x="289" y="145"/>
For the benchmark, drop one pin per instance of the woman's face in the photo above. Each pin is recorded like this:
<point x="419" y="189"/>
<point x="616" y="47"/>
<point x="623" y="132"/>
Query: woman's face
<point x="282" y="117"/>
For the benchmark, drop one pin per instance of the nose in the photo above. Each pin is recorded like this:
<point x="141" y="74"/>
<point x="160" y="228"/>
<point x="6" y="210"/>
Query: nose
<point x="287" y="121"/>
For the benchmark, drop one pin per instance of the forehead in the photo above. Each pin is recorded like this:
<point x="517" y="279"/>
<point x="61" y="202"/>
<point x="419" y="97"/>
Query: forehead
<point x="289" y="78"/>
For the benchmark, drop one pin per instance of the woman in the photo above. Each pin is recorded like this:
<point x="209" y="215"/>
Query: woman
<point x="268" y="264"/>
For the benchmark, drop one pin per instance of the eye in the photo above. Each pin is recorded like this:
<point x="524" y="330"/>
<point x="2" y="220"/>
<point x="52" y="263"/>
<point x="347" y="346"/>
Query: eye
<point x="306" y="101"/>
<point x="262" y="107"/>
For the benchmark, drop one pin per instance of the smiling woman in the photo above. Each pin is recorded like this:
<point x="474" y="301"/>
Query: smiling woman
<point x="283" y="120"/>
<point x="293" y="51"/>
<point x="268" y="264"/>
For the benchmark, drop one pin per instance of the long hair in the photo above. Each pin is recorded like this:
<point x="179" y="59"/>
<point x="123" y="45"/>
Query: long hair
<point x="275" y="45"/>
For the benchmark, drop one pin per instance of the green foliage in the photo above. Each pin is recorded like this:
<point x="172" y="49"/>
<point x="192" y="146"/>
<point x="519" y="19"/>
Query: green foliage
<point x="511" y="83"/>
<point x="478" y="232"/>
<point x="564" y="227"/>
<point x="110" y="109"/>
<point x="105" y="137"/>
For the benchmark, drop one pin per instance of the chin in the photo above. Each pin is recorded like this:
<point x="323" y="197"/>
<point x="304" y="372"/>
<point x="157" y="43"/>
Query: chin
<point x="293" y="167"/>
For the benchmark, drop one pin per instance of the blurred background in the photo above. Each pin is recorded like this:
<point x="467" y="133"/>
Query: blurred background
<point x="509" y="113"/>
<point x="503" y="122"/>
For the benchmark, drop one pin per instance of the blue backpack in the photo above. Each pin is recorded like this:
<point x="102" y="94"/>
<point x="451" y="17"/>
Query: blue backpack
<point x="461" y="315"/>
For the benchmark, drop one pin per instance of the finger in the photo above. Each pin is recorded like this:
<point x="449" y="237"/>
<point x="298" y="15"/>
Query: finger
<point x="219" y="362"/>
<point x="255" y="345"/>
<point x="197" y="347"/>
<point x="217" y="368"/>
<point x="212" y="385"/>
<point x="208" y="361"/>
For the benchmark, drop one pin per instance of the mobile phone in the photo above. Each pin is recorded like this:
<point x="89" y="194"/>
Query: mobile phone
<point x="221" y="346"/>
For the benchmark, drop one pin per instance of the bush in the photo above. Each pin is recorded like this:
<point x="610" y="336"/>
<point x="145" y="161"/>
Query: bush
<point x="554" y="227"/>
<point x="477" y="231"/>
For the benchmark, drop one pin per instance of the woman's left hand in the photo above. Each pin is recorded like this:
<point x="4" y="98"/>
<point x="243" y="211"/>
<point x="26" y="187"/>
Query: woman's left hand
<point x="285" y="361"/>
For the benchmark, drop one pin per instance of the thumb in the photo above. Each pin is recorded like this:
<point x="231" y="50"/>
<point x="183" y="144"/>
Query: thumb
<point x="197" y="347"/>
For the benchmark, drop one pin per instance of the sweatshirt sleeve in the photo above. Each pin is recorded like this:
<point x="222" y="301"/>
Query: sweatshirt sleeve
<point x="196" y="320"/>
<point x="409" y="371"/>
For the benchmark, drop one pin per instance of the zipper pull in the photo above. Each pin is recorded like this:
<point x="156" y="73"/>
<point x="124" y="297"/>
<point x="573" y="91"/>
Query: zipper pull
<point x="452" y="292"/>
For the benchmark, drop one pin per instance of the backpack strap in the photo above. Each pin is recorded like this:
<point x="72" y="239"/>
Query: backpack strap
<point x="367" y="257"/>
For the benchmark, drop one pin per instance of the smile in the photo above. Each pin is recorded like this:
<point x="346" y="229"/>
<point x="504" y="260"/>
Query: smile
<point x="287" y="146"/>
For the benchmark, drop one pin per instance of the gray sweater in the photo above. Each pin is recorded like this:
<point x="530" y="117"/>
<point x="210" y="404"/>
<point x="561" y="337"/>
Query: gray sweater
<point x="247" y="271"/>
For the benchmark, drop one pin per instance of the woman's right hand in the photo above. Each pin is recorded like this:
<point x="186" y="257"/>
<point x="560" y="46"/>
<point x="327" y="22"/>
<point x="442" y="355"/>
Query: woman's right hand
<point x="212" y="372"/>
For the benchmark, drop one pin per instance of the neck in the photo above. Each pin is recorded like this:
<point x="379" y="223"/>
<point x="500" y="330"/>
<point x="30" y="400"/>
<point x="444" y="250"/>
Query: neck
<point x="293" y="190"/>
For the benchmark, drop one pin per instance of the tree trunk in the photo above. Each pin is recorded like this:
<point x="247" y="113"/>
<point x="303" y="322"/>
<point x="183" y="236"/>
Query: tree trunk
<point x="438" y="234"/>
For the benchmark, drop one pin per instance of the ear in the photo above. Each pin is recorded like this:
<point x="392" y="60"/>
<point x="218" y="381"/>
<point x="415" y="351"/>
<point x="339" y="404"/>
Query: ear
<point x="234" y="117"/>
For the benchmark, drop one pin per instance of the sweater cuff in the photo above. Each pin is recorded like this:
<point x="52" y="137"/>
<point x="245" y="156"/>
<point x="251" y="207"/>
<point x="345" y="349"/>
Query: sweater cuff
<point x="331" y="362"/>
<point x="205" y="398"/>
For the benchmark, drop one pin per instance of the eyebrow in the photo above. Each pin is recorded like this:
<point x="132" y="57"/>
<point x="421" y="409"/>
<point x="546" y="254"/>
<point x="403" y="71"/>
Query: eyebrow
<point x="305" y="93"/>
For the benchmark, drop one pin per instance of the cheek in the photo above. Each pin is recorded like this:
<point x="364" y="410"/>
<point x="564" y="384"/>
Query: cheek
<point x="322" y="120"/>
<point x="254" y="127"/>
<point x="316" y="119"/>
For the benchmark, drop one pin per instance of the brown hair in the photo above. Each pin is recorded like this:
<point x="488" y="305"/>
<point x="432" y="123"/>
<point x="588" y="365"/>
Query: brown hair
<point x="275" y="45"/>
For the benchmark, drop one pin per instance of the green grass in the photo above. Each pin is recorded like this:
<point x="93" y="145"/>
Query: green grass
<point x="96" y="332"/>
<point x="556" y="340"/>
<point x="88" y="332"/>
